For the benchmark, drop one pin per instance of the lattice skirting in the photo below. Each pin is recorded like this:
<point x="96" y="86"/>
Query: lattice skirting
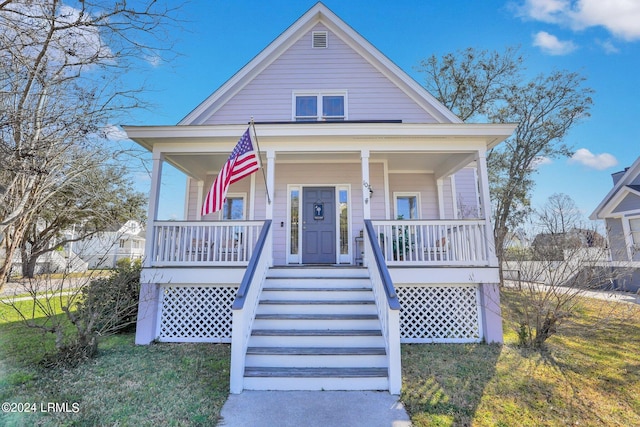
<point x="440" y="313"/>
<point x="195" y="313"/>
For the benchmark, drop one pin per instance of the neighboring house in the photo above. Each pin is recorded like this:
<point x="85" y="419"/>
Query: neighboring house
<point x="621" y="211"/>
<point x="553" y="246"/>
<point x="350" y="143"/>
<point x="105" y="249"/>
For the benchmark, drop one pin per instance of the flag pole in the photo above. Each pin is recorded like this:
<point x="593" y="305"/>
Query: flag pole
<point x="260" y="156"/>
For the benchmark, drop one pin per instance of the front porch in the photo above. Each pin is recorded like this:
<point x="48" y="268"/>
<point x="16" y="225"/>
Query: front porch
<point x="320" y="267"/>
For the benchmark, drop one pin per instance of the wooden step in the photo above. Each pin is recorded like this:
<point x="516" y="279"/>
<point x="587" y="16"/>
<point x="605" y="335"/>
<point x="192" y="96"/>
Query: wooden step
<point x="310" y="316"/>
<point x="317" y="351"/>
<point x="316" y="332"/>
<point x="316" y="302"/>
<point x="315" y="372"/>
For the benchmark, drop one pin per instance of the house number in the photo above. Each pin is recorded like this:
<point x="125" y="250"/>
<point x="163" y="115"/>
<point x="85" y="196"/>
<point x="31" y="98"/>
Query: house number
<point x="318" y="211"/>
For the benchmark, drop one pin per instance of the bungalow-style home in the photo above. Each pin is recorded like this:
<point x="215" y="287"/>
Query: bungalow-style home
<point x="621" y="211"/>
<point x="367" y="227"/>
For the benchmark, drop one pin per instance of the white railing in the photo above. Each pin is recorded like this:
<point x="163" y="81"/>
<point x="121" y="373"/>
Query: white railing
<point x="387" y="305"/>
<point x="191" y="243"/>
<point x="246" y="304"/>
<point x="444" y="242"/>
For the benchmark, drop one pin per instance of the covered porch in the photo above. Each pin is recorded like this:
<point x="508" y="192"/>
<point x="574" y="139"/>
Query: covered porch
<point x="427" y="199"/>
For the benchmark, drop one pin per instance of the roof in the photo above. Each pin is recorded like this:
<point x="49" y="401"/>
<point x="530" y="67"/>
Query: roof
<point x="620" y="190"/>
<point x="320" y="14"/>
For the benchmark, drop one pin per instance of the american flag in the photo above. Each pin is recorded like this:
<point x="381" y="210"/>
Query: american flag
<point x="242" y="162"/>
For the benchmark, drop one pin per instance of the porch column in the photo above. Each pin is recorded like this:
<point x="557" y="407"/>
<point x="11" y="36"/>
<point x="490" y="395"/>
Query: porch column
<point x="440" y="186"/>
<point x="150" y="292"/>
<point x="271" y="179"/>
<point x="366" y="185"/>
<point x="485" y="203"/>
<point x="154" y="199"/>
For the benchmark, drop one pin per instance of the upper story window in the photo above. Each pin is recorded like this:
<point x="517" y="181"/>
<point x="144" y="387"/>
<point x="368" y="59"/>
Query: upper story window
<point x="311" y="107"/>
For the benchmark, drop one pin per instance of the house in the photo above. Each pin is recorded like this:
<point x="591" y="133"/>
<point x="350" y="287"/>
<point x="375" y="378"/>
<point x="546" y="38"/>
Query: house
<point x="375" y="229"/>
<point x="105" y="249"/>
<point x="621" y="211"/>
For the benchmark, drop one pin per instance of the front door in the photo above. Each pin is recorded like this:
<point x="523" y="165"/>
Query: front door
<point x="318" y="225"/>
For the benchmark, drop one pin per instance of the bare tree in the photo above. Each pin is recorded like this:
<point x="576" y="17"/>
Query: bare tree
<point x="559" y="214"/>
<point x="556" y="274"/>
<point x="60" y="87"/>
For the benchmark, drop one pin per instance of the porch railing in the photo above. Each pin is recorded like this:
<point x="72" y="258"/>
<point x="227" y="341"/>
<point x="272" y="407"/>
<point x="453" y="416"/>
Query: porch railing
<point x="444" y="242"/>
<point x="191" y="243"/>
<point x="387" y="305"/>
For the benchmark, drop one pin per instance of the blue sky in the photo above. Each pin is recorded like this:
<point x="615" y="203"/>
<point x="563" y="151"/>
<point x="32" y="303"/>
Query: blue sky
<point x="600" y="39"/>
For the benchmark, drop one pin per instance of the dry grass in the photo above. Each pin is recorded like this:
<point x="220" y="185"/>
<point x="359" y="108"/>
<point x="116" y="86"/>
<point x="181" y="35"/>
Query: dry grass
<point x="589" y="375"/>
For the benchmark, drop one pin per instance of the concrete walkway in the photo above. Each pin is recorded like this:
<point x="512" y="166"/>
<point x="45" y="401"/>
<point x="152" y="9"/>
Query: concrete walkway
<point x="313" y="409"/>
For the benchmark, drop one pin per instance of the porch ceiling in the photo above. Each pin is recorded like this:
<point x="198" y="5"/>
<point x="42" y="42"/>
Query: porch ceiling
<point x="199" y="165"/>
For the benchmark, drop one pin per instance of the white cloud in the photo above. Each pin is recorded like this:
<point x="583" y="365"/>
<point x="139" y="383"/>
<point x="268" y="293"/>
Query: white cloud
<point x="620" y="17"/>
<point x="540" y="161"/>
<point x="594" y="161"/>
<point x="552" y="45"/>
<point x="607" y="46"/>
<point x="114" y="133"/>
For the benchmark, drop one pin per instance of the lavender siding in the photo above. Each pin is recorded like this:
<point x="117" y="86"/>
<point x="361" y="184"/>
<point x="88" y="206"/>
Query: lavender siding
<point x="421" y="183"/>
<point x="466" y="186"/>
<point x="370" y="95"/>
<point x="629" y="203"/>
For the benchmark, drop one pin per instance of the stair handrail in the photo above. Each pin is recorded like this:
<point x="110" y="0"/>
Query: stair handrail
<point x="378" y="258"/>
<point x="388" y="308"/>
<point x="243" y="317"/>
<point x="238" y="304"/>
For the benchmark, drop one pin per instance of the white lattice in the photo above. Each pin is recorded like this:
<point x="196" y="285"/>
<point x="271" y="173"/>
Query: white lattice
<point x="196" y="313"/>
<point x="438" y="313"/>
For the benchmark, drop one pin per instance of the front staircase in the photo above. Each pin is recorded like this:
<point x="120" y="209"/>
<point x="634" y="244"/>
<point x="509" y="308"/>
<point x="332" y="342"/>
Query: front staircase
<point x="316" y="329"/>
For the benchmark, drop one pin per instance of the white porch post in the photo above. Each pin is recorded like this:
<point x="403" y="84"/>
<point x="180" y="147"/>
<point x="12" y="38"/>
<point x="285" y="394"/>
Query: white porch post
<point x="150" y="292"/>
<point x="485" y="202"/>
<point x="271" y="179"/>
<point x="366" y="195"/>
<point x="489" y="292"/>
<point x="440" y="185"/>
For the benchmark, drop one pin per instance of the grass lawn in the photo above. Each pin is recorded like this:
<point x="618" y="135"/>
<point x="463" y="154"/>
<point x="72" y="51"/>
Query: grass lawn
<point x="590" y="379"/>
<point x="127" y="385"/>
<point x="585" y="377"/>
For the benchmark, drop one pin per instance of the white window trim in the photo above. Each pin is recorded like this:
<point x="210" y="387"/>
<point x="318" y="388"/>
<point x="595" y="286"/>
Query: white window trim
<point x="398" y="194"/>
<point x="319" y="94"/>
<point x="632" y="247"/>
<point x="242" y="196"/>
<point x="340" y="258"/>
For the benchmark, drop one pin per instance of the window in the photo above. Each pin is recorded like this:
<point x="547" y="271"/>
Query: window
<point x="294" y="213"/>
<point x="320" y="107"/>
<point x="233" y="207"/>
<point x="634" y="227"/>
<point x="344" y="221"/>
<point x="407" y="206"/>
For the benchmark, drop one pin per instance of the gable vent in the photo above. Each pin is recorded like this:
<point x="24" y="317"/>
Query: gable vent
<point x="319" y="39"/>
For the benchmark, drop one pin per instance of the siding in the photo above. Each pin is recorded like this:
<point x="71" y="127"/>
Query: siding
<point x="422" y="183"/>
<point x="371" y="96"/>
<point x="630" y="203"/>
<point x="192" y="199"/>
<point x="467" y="193"/>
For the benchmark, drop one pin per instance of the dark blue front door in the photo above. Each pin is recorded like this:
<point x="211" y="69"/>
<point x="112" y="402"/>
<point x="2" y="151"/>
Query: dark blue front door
<point x="319" y="225"/>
